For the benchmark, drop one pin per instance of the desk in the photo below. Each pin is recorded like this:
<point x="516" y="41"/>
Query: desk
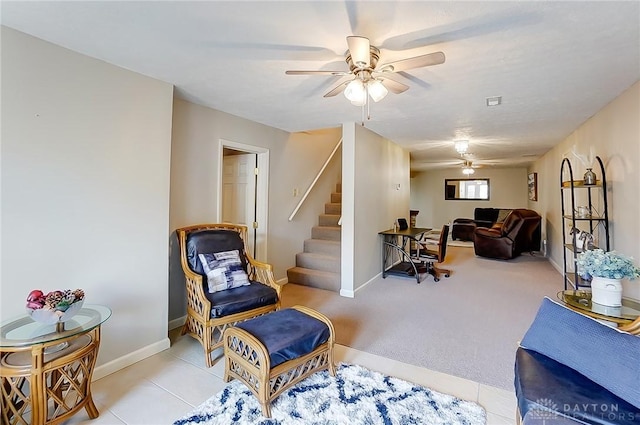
<point x="45" y="370"/>
<point x="406" y="266"/>
<point x="627" y="317"/>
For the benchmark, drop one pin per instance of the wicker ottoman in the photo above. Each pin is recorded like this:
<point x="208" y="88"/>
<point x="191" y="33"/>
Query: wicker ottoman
<point x="273" y="352"/>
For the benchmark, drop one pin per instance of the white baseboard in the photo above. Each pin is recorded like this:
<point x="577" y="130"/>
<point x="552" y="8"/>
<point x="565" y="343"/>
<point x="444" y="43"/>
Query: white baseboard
<point x="555" y="265"/>
<point x="131" y="358"/>
<point x="351" y="293"/>
<point x="177" y="323"/>
<point x="282" y="281"/>
<point x="347" y="293"/>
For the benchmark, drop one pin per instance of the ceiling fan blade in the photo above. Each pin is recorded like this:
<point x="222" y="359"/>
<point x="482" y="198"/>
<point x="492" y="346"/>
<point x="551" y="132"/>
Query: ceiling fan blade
<point x="339" y="88"/>
<point x="394" y="86"/>
<point x="317" y="73"/>
<point x="416" y="62"/>
<point x="359" y="48"/>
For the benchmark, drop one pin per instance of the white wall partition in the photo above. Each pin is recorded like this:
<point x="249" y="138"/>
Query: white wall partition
<point x="85" y="189"/>
<point x="375" y="193"/>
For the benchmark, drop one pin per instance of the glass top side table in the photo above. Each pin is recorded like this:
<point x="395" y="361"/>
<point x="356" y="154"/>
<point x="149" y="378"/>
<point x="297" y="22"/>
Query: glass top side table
<point x="23" y="331"/>
<point x="626" y="317"/>
<point x="46" y="370"/>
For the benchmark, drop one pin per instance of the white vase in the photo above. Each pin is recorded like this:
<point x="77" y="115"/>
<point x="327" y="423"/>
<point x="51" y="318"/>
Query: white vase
<point x="605" y="291"/>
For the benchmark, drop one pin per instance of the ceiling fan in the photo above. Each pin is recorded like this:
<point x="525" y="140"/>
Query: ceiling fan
<point x="366" y="78"/>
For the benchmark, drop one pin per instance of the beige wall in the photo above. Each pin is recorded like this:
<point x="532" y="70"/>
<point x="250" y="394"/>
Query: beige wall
<point x="295" y="159"/>
<point x="508" y="190"/>
<point x="375" y="193"/>
<point x="614" y="135"/>
<point x="85" y="189"/>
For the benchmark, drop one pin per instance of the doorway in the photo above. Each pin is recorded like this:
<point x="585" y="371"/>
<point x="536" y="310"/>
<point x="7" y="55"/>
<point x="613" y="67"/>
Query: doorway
<point x="243" y="192"/>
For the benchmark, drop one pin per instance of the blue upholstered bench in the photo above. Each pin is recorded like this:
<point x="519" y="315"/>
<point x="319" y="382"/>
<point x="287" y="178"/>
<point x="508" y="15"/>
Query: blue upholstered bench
<point x="572" y="369"/>
<point x="273" y="352"/>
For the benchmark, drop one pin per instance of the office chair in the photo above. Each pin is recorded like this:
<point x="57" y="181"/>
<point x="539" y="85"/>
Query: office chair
<point x="431" y="257"/>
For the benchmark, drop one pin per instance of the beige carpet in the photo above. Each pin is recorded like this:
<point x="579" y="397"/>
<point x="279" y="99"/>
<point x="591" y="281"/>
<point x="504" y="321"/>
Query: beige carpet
<point x="467" y="325"/>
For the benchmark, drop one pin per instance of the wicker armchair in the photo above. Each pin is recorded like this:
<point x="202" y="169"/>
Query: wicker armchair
<point x="209" y="314"/>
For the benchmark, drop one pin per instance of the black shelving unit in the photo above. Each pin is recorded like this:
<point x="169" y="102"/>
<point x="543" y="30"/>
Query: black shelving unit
<point x="596" y="223"/>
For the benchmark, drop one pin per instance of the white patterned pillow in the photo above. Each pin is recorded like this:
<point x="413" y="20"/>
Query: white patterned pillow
<point x="224" y="270"/>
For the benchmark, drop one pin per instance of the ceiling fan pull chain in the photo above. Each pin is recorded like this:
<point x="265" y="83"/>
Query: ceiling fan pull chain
<point x="366" y="100"/>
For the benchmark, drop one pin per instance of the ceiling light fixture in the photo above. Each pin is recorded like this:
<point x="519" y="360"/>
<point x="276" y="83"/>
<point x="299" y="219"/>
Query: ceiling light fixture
<point x="467" y="169"/>
<point x="363" y="87"/>
<point x="461" y="146"/>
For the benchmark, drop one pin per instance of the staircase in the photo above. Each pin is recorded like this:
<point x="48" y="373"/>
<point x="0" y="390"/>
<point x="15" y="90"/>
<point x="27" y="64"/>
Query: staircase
<point x="319" y="264"/>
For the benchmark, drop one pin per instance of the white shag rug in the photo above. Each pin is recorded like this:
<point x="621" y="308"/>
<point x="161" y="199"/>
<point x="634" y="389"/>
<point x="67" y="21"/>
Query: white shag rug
<point x="356" y="396"/>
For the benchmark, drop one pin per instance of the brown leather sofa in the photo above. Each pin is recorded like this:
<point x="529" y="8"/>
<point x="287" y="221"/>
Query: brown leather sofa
<point x="520" y="232"/>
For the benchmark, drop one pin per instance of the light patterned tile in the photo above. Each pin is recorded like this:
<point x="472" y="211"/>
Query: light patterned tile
<point x="105" y="418"/>
<point x="186" y="381"/>
<point x="498" y="401"/>
<point x="146" y="403"/>
<point x="493" y="419"/>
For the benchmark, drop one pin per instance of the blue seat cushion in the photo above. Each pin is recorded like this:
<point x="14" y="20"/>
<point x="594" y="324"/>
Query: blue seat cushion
<point x="601" y="353"/>
<point x="543" y="384"/>
<point x="241" y="299"/>
<point x="287" y="334"/>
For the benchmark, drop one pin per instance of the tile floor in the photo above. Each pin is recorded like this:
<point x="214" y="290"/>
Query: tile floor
<point x="166" y="386"/>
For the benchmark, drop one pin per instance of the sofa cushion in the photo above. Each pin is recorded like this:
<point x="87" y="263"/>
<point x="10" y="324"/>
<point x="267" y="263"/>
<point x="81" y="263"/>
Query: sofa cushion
<point x="241" y="299"/>
<point x="502" y="215"/>
<point x="287" y="334"/>
<point x="601" y="353"/>
<point x="549" y="393"/>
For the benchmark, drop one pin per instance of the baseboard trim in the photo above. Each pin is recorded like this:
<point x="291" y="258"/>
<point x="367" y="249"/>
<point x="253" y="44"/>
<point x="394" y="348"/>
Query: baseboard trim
<point x="131" y="358"/>
<point x="349" y="293"/>
<point x="177" y="323"/>
<point x="555" y="265"/>
<point x="282" y="281"/>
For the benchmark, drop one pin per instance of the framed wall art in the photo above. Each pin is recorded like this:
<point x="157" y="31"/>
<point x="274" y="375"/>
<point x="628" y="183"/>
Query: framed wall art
<point x="533" y="186"/>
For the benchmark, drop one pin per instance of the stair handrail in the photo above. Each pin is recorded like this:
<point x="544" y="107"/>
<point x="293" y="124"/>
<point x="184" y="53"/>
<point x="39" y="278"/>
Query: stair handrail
<point x="315" y="180"/>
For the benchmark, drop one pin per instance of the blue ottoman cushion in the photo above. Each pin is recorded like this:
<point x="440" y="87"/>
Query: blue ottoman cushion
<point x="287" y="334"/>
<point x="604" y="355"/>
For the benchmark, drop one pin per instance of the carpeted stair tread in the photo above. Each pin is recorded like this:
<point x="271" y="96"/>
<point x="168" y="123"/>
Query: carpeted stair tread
<point x="323" y="262"/>
<point x="322" y="246"/>
<point x="329" y="219"/>
<point x="331" y="233"/>
<point x="315" y="278"/>
<point x="336" y="198"/>
<point x="333" y="208"/>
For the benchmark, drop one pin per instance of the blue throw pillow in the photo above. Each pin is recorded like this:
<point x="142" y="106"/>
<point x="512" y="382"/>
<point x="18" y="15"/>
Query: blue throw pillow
<point x="603" y="354"/>
<point x="224" y="270"/>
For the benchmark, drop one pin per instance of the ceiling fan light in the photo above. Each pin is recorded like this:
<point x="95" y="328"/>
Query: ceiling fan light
<point x="468" y="171"/>
<point x="377" y="90"/>
<point x="461" y="146"/>
<point x="355" y="92"/>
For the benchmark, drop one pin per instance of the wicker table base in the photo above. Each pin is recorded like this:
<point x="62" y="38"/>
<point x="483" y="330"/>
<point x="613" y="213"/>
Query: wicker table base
<point x="247" y="360"/>
<point x="46" y="370"/>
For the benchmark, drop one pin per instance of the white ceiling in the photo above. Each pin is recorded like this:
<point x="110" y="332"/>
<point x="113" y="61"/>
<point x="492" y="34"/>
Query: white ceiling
<point x="555" y="64"/>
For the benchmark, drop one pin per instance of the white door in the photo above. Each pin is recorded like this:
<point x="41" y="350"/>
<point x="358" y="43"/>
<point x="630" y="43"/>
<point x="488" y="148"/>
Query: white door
<point x="239" y="193"/>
